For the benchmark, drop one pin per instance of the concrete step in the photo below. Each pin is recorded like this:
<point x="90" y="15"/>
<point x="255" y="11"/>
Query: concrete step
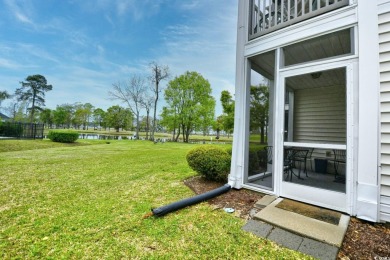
<point x="307" y="235"/>
<point x="305" y="226"/>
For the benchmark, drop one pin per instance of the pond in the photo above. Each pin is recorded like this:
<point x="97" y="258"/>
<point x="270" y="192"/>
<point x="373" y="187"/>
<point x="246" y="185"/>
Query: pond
<point x="105" y="137"/>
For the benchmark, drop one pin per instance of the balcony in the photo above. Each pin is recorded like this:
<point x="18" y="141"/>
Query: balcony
<point x="270" y="15"/>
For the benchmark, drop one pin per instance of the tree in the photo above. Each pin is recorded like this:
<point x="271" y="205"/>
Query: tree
<point x="78" y="115"/>
<point x="228" y="111"/>
<point x="82" y="115"/>
<point x="87" y="114"/>
<point x="170" y="120"/>
<point x="159" y="73"/>
<point x="17" y="110"/>
<point x="218" y="125"/>
<point x="59" y="116"/>
<point x="118" y="117"/>
<point x="98" y="117"/>
<point x="147" y="103"/>
<point x="46" y="116"/>
<point x="206" y="116"/>
<point x="131" y="93"/>
<point x="33" y="91"/>
<point x="3" y="96"/>
<point x="259" y="107"/>
<point x="63" y="115"/>
<point x="189" y="99"/>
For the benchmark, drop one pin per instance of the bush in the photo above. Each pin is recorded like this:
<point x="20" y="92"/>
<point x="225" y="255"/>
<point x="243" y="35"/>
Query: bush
<point x="63" y="136"/>
<point x="253" y="164"/>
<point x="257" y="159"/>
<point x="211" y="162"/>
<point x="11" y="129"/>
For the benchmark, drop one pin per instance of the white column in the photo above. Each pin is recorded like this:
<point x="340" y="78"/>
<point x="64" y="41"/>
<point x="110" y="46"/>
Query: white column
<point x="238" y="153"/>
<point x="367" y="193"/>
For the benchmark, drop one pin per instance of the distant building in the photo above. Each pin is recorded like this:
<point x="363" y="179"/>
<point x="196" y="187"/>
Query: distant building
<point x="4" y="118"/>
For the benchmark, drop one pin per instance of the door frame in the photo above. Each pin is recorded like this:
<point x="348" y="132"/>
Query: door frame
<point x="329" y="199"/>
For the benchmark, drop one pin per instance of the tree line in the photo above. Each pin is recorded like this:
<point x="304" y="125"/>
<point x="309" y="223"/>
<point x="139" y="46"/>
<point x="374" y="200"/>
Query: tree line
<point x="190" y="106"/>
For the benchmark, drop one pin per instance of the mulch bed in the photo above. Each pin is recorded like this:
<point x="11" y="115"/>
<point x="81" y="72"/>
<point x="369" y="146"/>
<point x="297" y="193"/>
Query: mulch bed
<point x="363" y="240"/>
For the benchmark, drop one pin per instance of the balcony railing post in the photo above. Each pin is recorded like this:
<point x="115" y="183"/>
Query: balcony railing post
<point x="270" y="15"/>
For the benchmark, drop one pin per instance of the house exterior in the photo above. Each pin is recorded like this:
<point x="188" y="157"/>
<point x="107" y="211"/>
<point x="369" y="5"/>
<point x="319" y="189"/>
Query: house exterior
<point x="3" y="117"/>
<point x="324" y="67"/>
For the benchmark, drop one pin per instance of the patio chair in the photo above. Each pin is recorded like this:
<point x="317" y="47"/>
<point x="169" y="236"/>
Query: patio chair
<point x="288" y="163"/>
<point x="269" y="154"/>
<point x="303" y="157"/>
<point x="339" y="157"/>
<point x="299" y="158"/>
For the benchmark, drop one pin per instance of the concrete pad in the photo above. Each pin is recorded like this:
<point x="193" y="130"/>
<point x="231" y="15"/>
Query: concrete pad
<point x="258" y="228"/>
<point x="285" y="238"/>
<point x="318" y="249"/>
<point x="305" y="226"/>
<point x="265" y="201"/>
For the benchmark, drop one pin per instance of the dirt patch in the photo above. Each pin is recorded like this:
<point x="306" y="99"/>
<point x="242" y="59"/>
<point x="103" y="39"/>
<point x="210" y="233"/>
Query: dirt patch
<point x="242" y="201"/>
<point x="310" y="211"/>
<point x="363" y="240"/>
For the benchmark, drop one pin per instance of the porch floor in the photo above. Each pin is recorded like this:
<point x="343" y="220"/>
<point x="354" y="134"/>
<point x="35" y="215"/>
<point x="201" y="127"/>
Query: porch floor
<point x="313" y="179"/>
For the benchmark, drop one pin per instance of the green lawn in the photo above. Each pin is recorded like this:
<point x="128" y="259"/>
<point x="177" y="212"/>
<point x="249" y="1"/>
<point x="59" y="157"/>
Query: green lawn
<point x="88" y="201"/>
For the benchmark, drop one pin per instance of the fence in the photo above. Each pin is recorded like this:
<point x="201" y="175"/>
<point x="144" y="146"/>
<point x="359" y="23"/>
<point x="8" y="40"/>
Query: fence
<point x="9" y="130"/>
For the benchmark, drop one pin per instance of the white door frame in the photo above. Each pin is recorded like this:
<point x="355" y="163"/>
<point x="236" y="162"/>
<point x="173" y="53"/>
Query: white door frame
<point x="325" y="198"/>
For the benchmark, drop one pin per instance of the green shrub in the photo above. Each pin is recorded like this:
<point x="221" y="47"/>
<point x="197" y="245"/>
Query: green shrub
<point x="63" y="136"/>
<point x="229" y="150"/>
<point x="11" y="129"/>
<point x="257" y="159"/>
<point x="253" y="164"/>
<point x="210" y="161"/>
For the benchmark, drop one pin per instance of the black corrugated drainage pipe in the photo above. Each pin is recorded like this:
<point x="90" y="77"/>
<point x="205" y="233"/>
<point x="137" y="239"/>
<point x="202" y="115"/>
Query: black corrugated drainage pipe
<point x="161" y="211"/>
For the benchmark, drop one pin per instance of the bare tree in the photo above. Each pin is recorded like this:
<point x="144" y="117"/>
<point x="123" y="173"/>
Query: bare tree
<point x="159" y="73"/>
<point x="148" y="105"/>
<point x="132" y="94"/>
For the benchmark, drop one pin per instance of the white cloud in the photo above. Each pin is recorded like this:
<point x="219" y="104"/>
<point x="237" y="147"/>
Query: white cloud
<point x="8" y="64"/>
<point x="188" y="5"/>
<point x="21" y="12"/>
<point x="82" y="66"/>
<point x="135" y="9"/>
<point x="207" y="45"/>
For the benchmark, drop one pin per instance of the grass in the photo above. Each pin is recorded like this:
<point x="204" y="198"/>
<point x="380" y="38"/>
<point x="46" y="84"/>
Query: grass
<point x="88" y="201"/>
<point x="23" y="145"/>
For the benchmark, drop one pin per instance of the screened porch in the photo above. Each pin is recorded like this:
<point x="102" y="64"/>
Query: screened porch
<point x="314" y="116"/>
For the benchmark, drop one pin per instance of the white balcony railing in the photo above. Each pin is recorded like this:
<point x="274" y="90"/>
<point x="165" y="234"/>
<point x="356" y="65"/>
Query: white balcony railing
<point x="270" y="15"/>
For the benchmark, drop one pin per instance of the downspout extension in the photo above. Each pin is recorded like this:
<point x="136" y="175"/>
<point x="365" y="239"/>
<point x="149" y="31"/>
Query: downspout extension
<point x="163" y="210"/>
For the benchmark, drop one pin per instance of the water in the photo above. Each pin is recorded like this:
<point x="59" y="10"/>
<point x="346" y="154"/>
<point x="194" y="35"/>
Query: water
<point x="105" y="137"/>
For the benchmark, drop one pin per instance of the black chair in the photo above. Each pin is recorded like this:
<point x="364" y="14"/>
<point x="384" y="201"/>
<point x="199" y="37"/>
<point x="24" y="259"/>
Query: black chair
<point x="339" y="157"/>
<point x="268" y="149"/>
<point x="288" y="163"/>
<point x="299" y="158"/>
<point x="309" y="154"/>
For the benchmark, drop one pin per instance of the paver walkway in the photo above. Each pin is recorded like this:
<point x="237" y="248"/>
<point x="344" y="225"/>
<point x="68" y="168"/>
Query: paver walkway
<point x="297" y="232"/>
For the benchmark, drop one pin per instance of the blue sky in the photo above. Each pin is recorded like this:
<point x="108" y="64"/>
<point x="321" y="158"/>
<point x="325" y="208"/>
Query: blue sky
<point x="82" y="47"/>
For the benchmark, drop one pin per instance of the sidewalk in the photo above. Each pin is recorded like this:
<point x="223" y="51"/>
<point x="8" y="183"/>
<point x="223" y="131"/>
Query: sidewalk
<point x="291" y="230"/>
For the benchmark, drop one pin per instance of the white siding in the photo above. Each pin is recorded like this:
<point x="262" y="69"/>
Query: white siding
<point x="384" y="49"/>
<point x="320" y="115"/>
